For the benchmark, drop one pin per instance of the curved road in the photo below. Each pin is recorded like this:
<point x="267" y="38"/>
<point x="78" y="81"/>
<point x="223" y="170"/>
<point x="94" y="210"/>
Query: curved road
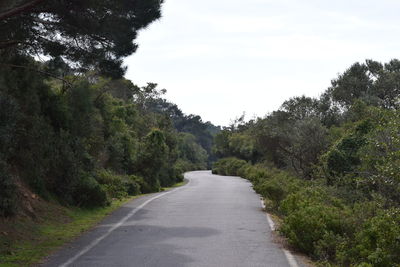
<point x="212" y="221"/>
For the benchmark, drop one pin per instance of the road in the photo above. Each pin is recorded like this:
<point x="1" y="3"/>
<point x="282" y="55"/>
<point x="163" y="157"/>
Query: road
<point x="212" y="221"/>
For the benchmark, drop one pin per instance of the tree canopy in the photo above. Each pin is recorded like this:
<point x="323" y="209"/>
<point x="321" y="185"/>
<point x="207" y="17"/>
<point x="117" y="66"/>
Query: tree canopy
<point x="88" y="34"/>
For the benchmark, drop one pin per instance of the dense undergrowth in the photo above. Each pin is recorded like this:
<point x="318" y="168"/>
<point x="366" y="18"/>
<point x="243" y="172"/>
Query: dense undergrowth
<point x="319" y="221"/>
<point x="329" y="167"/>
<point x="85" y="140"/>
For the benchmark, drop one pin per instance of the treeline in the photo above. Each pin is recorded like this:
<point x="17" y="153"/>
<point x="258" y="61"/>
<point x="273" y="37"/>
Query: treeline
<point x="85" y="139"/>
<point x="329" y="166"/>
<point x="71" y="128"/>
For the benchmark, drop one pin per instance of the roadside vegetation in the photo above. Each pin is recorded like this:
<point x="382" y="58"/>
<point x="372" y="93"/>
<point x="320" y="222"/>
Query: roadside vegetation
<point x="97" y="140"/>
<point x="28" y="242"/>
<point x="76" y="136"/>
<point x="329" y="167"/>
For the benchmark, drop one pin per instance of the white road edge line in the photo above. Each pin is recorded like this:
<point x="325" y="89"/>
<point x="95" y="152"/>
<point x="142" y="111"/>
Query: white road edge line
<point x="120" y="223"/>
<point x="289" y="256"/>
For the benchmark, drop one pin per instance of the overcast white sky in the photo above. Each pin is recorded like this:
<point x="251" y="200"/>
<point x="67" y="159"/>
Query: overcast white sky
<point x="220" y="58"/>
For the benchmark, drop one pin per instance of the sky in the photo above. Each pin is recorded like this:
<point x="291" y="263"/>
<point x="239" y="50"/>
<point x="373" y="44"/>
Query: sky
<point x="222" y="58"/>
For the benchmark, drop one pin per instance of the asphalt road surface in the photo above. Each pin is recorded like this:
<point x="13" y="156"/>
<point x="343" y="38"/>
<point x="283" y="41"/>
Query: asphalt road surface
<point x="212" y="221"/>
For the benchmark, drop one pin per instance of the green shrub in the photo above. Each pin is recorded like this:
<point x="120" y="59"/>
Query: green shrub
<point x="88" y="193"/>
<point x="276" y="185"/>
<point x="242" y="171"/>
<point x="228" y="166"/>
<point x="316" y="222"/>
<point x="182" y="166"/>
<point x="257" y="174"/>
<point x="310" y="225"/>
<point x="7" y="191"/>
<point x="9" y="116"/>
<point x="219" y="167"/>
<point x="120" y="186"/>
<point x="378" y="241"/>
<point x="234" y="165"/>
<point x="145" y="188"/>
<point x="132" y="184"/>
<point x="344" y="157"/>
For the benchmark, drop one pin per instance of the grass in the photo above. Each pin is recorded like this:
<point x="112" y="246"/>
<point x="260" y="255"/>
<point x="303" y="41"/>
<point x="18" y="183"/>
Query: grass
<point x="51" y="233"/>
<point x="27" y="242"/>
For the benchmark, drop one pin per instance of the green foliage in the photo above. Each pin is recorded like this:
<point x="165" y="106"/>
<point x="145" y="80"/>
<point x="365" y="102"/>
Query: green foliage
<point x="315" y="221"/>
<point x="56" y="139"/>
<point x="276" y="187"/>
<point x="181" y="166"/>
<point x="371" y="82"/>
<point x="309" y="227"/>
<point x="240" y="145"/>
<point x="153" y="156"/>
<point x="329" y="166"/>
<point x="191" y="151"/>
<point x="380" y="157"/>
<point x="318" y="221"/>
<point x="283" y="138"/>
<point x="344" y="156"/>
<point x="378" y="241"/>
<point x="228" y="166"/>
<point x="89" y="34"/>
<point x="270" y="183"/>
<point x="7" y="191"/>
<point x="353" y="84"/>
<point x="191" y="124"/>
<point x="8" y="122"/>
<point x="88" y="193"/>
<point x="119" y="186"/>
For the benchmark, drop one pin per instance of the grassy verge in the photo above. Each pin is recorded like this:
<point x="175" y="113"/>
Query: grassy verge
<point x="25" y="242"/>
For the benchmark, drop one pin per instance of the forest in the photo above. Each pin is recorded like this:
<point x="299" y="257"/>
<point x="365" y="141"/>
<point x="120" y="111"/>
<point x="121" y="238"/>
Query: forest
<point x="72" y="129"/>
<point x="329" y="167"/>
<point x="92" y="140"/>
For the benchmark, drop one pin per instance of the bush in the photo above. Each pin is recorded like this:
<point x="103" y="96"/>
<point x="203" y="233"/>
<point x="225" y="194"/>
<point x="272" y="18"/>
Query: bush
<point x="9" y="116"/>
<point x="272" y="184"/>
<point x="88" y="193"/>
<point x="228" y="166"/>
<point x="7" y="191"/>
<point x="257" y="174"/>
<point x="242" y="171"/>
<point x="132" y="184"/>
<point x="120" y="186"/>
<point x="378" y="241"/>
<point x="276" y="189"/>
<point x="311" y="225"/>
<point x="234" y="165"/>
<point x="145" y="188"/>
<point x="316" y="222"/>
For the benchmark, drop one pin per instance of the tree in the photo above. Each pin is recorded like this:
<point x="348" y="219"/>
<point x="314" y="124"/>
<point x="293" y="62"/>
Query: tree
<point x="289" y="143"/>
<point x="89" y="34"/>
<point x="387" y="85"/>
<point x="372" y="82"/>
<point x="153" y="158"/>
<point x="300" y="108"/>
<point x="351" y="85"/>
<point x="191" y="151"/>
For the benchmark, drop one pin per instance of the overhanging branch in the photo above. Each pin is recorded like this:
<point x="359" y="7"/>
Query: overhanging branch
<point x="20" y="9"/>
<point x="39" y="71"/>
